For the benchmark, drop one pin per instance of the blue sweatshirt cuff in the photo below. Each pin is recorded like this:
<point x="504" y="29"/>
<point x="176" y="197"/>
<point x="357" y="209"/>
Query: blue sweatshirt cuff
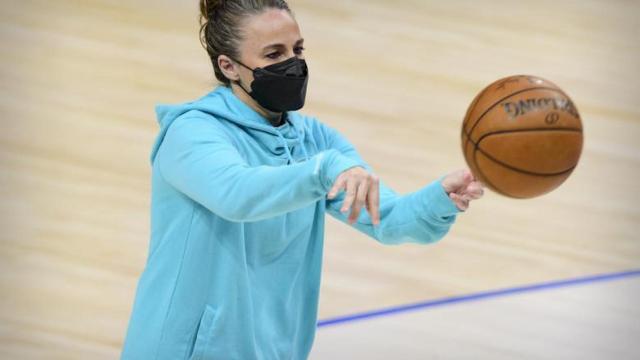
<point x="434" y="203"/>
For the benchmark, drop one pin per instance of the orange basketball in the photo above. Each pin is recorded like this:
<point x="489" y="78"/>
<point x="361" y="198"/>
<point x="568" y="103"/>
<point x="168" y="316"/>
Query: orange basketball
<point x="522" y="136"/>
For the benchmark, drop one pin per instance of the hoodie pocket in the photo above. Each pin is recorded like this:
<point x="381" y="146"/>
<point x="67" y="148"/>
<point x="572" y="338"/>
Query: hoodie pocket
<point x="205" y="333"/>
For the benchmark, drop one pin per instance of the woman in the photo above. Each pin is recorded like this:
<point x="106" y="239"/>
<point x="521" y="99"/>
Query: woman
<point x="240" y="186"/>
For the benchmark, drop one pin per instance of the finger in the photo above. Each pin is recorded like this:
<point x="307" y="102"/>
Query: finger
<point x="475" y="187"/>
<point x="459" y="201"/>
<point x="451" y="182"/>
<point x="455" y="198"/>
<point x="467" y="178"/>
<point x="361" y="197"/>
<point x="474" y="196"/>
<point x="337" y="186"/>
<point x="373" y="201"/>
<point x="473" y="177"/>
<point x="475" y="190"/>
<point x="350" y="196"/>
<point x="457" y="180"/>
<point x="463" y="201"/>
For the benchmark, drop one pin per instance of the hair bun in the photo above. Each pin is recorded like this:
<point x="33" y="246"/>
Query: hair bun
<point x="209" y="9"/>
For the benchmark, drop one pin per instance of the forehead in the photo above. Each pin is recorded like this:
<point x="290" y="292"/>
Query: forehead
<point x="273" y="26"/>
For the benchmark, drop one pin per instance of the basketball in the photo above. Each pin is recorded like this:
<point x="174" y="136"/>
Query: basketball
<point x="522" y="136"/>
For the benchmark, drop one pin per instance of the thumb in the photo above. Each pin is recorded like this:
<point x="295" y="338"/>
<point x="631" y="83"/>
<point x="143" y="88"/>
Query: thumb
<point x="457" y="180"/>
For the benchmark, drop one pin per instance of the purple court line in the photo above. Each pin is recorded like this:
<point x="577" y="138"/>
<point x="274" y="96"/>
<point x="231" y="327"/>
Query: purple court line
<point x="478" y="296"/>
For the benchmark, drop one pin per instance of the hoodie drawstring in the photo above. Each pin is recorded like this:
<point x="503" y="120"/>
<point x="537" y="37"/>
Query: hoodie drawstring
<point x="288" y="151"/>
<point x="286" y="147"/>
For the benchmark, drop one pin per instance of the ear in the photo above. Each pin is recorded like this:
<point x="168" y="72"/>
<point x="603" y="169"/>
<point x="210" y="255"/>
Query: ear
<point x="228" y="68"/>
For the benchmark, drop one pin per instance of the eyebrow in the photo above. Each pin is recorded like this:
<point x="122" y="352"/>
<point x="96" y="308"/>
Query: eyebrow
<point x="282" y="45"/>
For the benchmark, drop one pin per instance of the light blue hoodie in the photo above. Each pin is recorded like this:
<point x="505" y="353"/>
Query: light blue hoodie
<point x="237" y="227"/>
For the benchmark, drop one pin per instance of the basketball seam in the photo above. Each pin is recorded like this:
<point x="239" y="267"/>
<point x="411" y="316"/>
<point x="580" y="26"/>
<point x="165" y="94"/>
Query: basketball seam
<point x="477" y="147"/>
<point x="498" y="132"/>
<point x="484" y="176"/>
<point x="478" y="97"/>
<point x="466" y="117"/>
<point x="511" y="167"/>
<point x="473" y="103"/>
<point x="472" y="161"/>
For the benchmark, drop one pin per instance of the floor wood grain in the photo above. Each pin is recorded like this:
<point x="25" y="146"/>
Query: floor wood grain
<point x="80" y="80"/>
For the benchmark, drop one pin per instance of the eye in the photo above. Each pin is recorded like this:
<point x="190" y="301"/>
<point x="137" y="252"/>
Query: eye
<point x="273" y="55"/>
<point x="298" y="50"/>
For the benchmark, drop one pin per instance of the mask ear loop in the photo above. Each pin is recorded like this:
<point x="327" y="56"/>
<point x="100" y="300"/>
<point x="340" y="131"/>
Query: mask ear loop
<point x="238" y="81"/>
<point x="242" y="87"/>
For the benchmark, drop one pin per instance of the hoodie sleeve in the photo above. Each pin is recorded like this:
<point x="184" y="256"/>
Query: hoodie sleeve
<point x="199" y="160"/>
<point x="423" y="216"/>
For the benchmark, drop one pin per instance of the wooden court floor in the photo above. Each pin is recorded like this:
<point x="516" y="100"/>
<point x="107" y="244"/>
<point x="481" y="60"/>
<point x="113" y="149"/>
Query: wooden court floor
<point x="80" y="80"/>
<point x="592" y="320"/>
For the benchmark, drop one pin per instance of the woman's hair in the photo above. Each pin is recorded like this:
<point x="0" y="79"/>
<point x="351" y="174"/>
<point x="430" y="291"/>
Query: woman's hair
<point x="220" y="26"/>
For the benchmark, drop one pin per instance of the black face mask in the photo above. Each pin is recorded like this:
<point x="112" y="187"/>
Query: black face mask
<point x="280" y="87"/>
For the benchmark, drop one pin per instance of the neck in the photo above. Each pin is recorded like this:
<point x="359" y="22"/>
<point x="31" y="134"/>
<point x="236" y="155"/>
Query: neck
<point x="274" y="118"/>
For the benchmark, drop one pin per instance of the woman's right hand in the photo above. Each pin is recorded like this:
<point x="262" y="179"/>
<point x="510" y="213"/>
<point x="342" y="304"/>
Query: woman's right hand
<point x="362" y="189"/>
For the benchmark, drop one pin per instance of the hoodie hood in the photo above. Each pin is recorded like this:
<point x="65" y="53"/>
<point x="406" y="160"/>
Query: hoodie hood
<point x="223" y="105"/>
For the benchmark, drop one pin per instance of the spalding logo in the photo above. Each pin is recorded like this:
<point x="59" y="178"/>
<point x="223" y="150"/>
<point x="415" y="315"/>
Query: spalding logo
<point x="519" y="108"/>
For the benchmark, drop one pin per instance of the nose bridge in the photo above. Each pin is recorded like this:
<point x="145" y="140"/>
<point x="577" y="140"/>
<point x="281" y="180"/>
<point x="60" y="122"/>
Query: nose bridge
<point x="289" y="52"/>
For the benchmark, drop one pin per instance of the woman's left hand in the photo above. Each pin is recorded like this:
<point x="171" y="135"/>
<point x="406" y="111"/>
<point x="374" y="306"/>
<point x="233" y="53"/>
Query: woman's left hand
<point x="462" y="188"/>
